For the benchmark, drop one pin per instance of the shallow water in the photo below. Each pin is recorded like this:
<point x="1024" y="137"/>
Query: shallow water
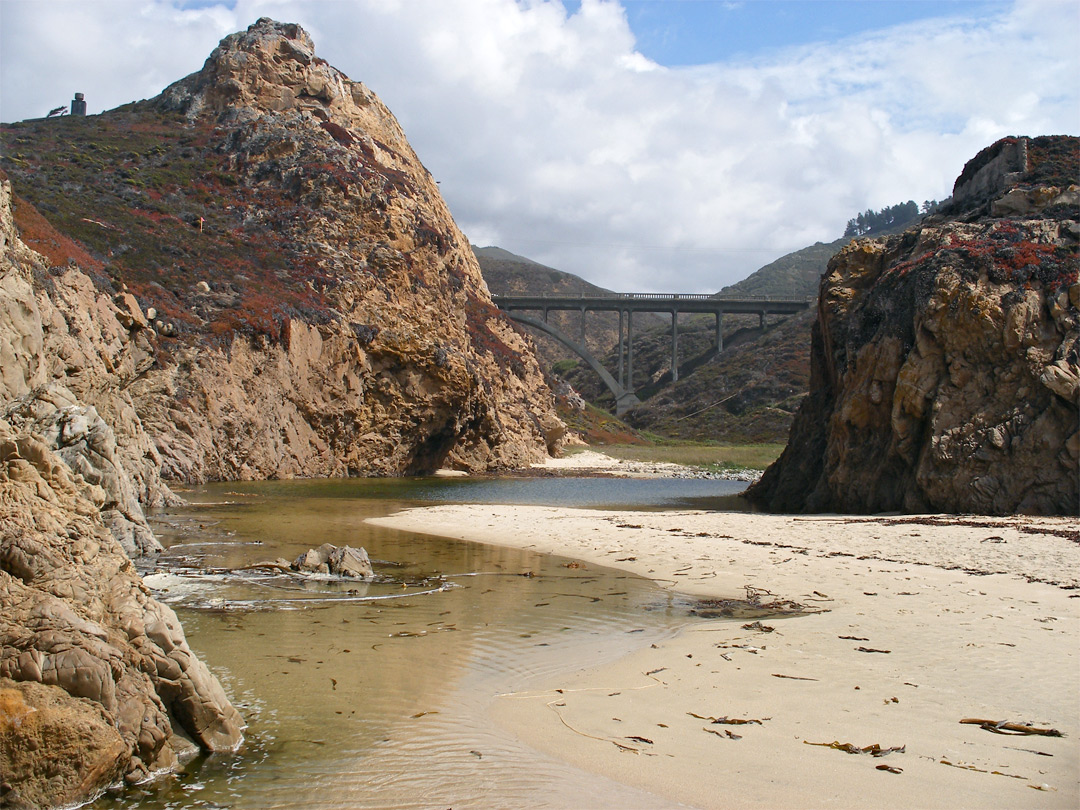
<point x="362" y="695"/>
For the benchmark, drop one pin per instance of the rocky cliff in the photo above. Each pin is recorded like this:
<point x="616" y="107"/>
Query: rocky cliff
<point x="97" y="682"/>
<point x="314" y="309"/>
<point x="945" y="365"/>
<point x="120" y="692"/>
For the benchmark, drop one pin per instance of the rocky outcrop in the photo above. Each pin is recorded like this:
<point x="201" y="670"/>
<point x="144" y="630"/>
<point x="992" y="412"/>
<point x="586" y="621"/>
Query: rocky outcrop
<point x="316" y="311"/>
<point x="945" y="367"/>
<point x="86" y="444"/>
<point x="77" y="616"/>
<point x="96" y="679"/>
<point x="70" y="355"/>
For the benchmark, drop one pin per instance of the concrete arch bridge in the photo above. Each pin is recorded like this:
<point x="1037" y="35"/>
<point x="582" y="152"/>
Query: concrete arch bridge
<point x="517" y="308"/>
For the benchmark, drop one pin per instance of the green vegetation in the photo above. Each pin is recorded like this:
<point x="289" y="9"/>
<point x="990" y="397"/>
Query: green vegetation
<point x="561" y="367"/>
<point x="888" y="219"/>
<point x="710" y="456"/>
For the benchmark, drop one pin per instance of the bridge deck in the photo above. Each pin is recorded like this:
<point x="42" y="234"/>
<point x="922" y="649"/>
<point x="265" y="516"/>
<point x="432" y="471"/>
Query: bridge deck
<point x="652" y="302"/>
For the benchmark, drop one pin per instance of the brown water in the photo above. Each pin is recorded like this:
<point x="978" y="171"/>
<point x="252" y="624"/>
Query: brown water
<point x="376" y="695"/>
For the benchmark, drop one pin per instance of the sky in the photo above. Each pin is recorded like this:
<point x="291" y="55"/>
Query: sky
<point x="646" y="145"/>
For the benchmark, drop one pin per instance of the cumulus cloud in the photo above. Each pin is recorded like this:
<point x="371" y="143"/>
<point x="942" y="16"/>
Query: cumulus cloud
<point x="553" y="137"/>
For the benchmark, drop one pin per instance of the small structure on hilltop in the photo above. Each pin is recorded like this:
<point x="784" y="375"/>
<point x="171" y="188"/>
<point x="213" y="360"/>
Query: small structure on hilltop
<point x="78" y="105"/>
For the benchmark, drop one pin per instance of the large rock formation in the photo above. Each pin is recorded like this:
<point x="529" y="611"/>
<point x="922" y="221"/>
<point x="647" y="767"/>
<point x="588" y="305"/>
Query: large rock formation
<point x="76" y="617"/>
<point x="315" y="311"/>
<point x="96" y="679"/>
<point x="945" y="368"/>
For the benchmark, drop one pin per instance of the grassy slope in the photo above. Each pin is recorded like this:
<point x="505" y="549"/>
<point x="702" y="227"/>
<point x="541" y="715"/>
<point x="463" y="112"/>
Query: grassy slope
<point x="132" y="184"/>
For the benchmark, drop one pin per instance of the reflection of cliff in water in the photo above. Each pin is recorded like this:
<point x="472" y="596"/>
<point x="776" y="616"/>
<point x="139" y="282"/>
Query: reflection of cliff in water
<point x="376" y="695"/>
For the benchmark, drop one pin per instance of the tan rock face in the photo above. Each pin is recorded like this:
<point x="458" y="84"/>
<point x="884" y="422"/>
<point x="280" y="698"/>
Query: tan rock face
<point x="105" y="678"/>
<point x="75" y="615"/>
<point x="54" y="749"/>
<point x="945" y="369"/>
<point x="406" y="366"/>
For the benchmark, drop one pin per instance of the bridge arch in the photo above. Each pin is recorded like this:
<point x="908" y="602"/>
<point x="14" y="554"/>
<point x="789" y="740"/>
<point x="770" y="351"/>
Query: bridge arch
<point x="624" y="399"/>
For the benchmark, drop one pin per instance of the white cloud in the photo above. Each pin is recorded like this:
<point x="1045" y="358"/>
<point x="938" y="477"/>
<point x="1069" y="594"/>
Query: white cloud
<point x="553" y="138"/>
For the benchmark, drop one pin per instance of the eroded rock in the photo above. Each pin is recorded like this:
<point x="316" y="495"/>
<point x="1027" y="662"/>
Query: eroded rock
<point x="76" y="615"/>
<point x="945" y="366"/>
<point x="55" y="749"/>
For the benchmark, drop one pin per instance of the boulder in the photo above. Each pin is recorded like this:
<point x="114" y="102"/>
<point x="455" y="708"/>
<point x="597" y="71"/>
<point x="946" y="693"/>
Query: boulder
<point x="343" y="561"/>
<point x="350" y="562"/>
<point x="314" y="560"/>
<point x="55" y="749"/>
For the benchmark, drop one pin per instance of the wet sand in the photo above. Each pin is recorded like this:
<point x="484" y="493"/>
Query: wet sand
<point x="911" y="625"/>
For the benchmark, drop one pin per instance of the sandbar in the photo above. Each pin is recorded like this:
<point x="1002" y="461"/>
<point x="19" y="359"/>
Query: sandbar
<point x="912" y="624"/>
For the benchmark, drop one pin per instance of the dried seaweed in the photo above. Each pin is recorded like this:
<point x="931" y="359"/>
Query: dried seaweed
<point x="874" y="750"/>
<point x="1012" y="729"/>
<point x="728" y="721"/>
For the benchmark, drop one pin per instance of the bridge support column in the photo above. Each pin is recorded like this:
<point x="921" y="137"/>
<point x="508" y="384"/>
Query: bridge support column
<point x="583" y="327"/>
<point x="622" y="379"/>
<point x="674" y="345"/>
<point x="761" y="319"/>
<point x="719" y="332"/>
<point x="626" y="402"/>
<point x="629" y="350"/>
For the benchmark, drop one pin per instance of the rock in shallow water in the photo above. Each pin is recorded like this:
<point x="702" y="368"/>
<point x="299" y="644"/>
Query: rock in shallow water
<point x="343" y="561"/>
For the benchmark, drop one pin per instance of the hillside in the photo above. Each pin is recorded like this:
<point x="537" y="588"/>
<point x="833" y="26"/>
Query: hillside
<point x="795" y="275"/>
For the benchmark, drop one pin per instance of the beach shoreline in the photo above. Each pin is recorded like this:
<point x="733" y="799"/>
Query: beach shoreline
<point x="911" y="625"/>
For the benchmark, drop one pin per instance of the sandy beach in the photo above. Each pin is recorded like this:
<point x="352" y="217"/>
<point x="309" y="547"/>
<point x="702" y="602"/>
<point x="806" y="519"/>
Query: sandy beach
<point x="910" y="625"/>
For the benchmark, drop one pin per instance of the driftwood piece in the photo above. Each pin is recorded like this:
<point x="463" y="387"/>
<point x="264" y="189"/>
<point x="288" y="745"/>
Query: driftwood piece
<point x="1005" y="727"/>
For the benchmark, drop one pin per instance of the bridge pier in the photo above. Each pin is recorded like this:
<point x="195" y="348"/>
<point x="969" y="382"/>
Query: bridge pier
<point x="625" y="402"/>
<point x="621" y="378"/>
<point x="719" y="332"/>
<point x="674" y="345"/>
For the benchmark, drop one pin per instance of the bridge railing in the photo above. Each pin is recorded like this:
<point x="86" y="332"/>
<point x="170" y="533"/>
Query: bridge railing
<point x="673" y="297"/>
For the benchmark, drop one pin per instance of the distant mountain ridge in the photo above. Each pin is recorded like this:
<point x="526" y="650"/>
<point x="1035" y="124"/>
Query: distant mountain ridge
<point x="794" y="275"/>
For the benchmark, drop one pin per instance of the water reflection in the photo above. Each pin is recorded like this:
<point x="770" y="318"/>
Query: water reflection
<point x="374" y="694"/>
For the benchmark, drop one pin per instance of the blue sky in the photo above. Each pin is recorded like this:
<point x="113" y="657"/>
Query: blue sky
<point x="698" y="32"/>
<point x="645" y="145"/>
